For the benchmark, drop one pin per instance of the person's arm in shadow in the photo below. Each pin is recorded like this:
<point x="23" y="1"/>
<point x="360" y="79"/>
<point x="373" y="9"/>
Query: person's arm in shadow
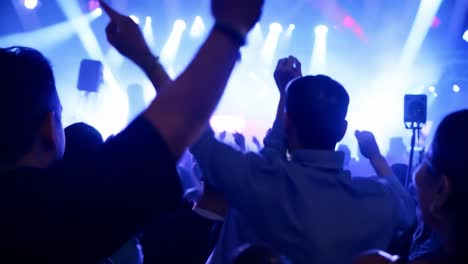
<point x="405" y="207"/>
<point x="275" y="145"/>
<point x="126" y="37"/>
<point x="107" y="197"/>
<point x="246" y="177"/>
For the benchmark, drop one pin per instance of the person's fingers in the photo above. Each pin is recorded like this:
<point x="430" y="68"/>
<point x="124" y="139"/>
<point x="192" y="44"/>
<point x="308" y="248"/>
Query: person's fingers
<point x="113" y="15"/>
<point x="281" y="62"/>
<point x="290" y="62"/>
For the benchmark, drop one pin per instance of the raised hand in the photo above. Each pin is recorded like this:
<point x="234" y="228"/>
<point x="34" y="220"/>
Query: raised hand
<point x="126" y="37"/>
<point x="222" y="136"/>
<point x="257" y="143"/>
<point x="239" y="14"/>
<point x="368" y="145"/>
<point x="240" y="140"/>
<point x="287" y="70"/>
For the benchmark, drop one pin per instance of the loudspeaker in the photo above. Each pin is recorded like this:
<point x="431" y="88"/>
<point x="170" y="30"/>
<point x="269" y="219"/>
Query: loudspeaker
<point x="90" y="76"/>
<point x="415" y="108"/>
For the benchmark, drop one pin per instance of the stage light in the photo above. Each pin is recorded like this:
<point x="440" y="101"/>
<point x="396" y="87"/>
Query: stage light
<point x="135" y="19"/>
<point x="276" y="27"/>
<point x="321" y="30"/>
<point x="148" y="31"/>
<point x="171" y="47"/>
<point x="48" y="37"/>
<point x="422" y="23"/>
<point x="318" y="62"/>
<point x="97" y="12"/>
<point x="465" y="36"/>
<point x="431" y="89"/>
<point x="257" y="34"/>
<point x="198" y="27"/>
<point x="290" y="30"/>
<point x="180" y="25"/>
<point x="30" y="4"/>
<point x="456" y="88"/>
<point x="271" y="42"/>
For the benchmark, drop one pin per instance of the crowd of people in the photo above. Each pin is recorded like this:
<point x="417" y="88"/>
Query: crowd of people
<point x="168" y="190"/>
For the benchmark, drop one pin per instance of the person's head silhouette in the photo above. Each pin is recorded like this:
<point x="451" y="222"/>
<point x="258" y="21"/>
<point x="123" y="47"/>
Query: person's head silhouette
<point x="316" y="108"/>
<point x="81" y="139"/>
<point x="30" y="110"/>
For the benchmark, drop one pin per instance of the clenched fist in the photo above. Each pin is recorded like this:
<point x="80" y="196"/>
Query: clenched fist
<point x="368" y="145"/>
<point x="287" y="70"/>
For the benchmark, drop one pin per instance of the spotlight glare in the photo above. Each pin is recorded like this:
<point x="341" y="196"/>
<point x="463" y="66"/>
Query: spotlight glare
<point x="135" y="19"/>
<point x="431" y="89"/>
<point x="321" y="30"/>
<point x="465" y="36"/>
<point x="422" y="23"/>
<point x="198" y="27"/>
<point x="171" y="47"/>
<point x="276" y="27"/>
<point x="456" y="88"/>
<point x="30" y="4"/>
<point x="318" y="63"/>
<point x="97" y="12"/>
<point x="271" y="43"/>
<point x="148" y="31"/>
<point x="180" y="25"/>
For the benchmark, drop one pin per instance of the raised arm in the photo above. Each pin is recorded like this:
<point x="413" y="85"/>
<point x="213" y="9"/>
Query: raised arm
<point x="126" y="37"/>
<point x="404" y="203"/>
<point x="181" y="112"/>
<point x="287" y="70"/>
<point x="369" y="149"/>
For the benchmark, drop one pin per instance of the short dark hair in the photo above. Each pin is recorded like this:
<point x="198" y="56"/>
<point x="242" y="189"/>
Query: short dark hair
<point x="448" y="156"/>
<point x="27" y="94"/>
<point x="317" y="106"/>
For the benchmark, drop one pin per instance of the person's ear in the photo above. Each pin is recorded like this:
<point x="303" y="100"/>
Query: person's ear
<point x="47" y="131"/>
<point x="443" y="192"/>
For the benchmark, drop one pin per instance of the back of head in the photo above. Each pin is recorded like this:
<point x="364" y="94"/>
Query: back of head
<point x="317" y="106"/>
<point x="81" y="139"/>
<point x="449" y="157"/>
<point x="27" y="94"/>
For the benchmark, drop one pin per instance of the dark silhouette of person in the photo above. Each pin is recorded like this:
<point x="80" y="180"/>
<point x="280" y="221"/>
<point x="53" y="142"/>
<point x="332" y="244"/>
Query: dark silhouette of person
<point x="81" y="139"/>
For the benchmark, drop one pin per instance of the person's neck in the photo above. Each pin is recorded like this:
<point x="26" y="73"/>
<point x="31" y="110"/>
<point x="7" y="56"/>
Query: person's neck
<point x="446" y="233"/>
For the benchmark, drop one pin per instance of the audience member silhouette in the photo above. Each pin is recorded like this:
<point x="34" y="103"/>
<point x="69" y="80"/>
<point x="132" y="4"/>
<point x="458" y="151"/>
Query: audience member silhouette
<point x="308" y="205"/>
<point x="440" y="184"/>
<point x="55" y="211"/>
<point x="81" y="139"/>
